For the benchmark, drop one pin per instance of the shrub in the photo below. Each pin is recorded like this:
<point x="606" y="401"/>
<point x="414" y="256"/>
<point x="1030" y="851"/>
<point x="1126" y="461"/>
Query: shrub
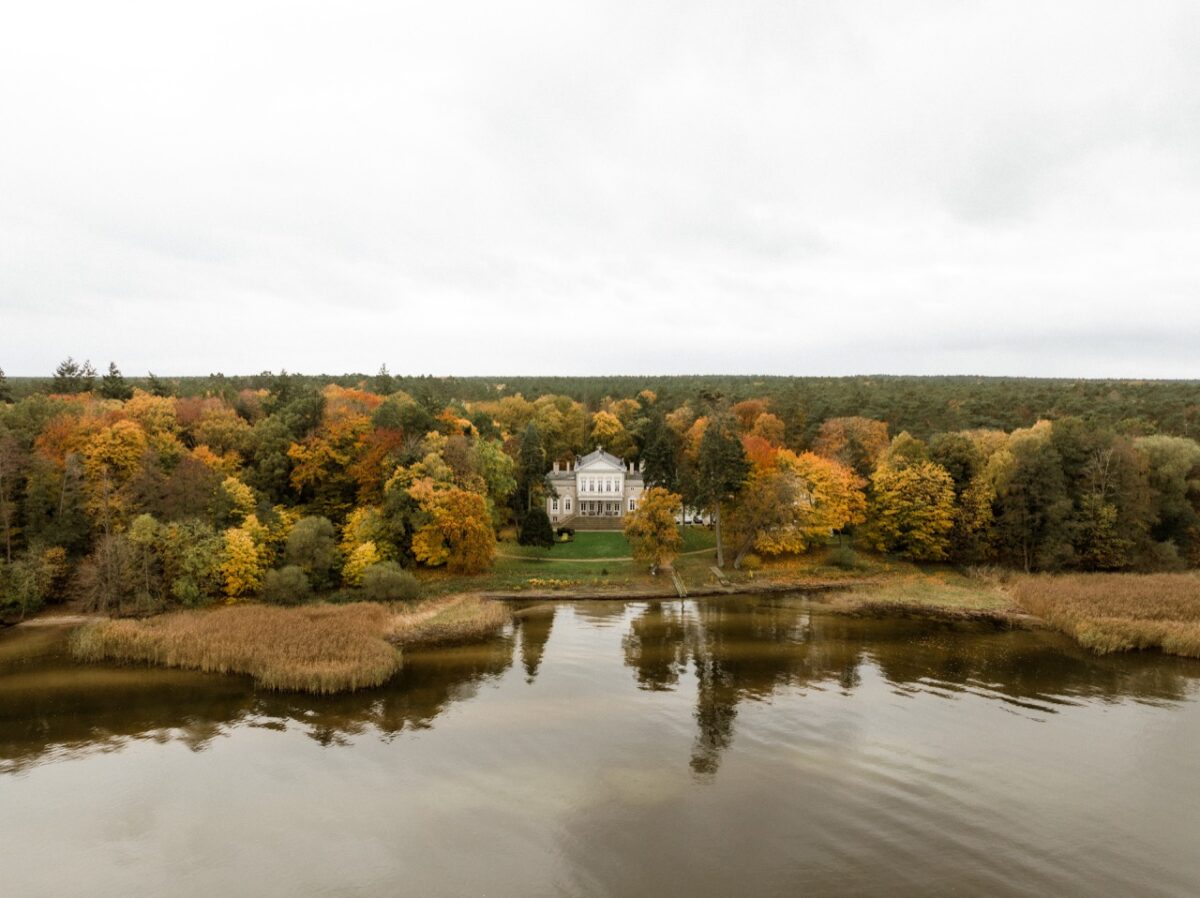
<point x="751" y="562"/>
<point x="388" y="582"/>
<point x="844" y="557"/>
<point x="286" y="586"/>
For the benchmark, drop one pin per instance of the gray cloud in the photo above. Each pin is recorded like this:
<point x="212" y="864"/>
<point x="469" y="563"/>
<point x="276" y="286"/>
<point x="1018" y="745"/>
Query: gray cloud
<point x="582" y="188"/>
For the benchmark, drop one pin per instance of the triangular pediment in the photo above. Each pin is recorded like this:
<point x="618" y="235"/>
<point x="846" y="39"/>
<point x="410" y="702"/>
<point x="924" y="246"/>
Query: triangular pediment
<point x="600" y="461"/>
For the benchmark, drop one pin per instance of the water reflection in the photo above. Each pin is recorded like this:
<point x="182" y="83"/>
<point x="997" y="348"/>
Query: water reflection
<point x="534" y="624"/>
<point x="52" y="708"/>
<point x="722" y="653"/>
<point x="740" y="746"/>
<point x="749" y="649"/>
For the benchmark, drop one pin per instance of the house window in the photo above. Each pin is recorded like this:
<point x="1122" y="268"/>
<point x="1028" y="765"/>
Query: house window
<point x="568" y="504"/>
<point x="554" y="505"/>
<point x="631" y="505"/>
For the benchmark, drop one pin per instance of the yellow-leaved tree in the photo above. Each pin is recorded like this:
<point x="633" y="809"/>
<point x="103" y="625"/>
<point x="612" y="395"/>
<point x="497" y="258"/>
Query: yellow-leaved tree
<point x="456" y="529"/>
<point x="358" y="560"/>
<point x="240" y="497"/>
<point x="242" y="564"/>
<point x="609" y="433"/>
<point x="651" y="529"/>
<point x="912" y="510"/>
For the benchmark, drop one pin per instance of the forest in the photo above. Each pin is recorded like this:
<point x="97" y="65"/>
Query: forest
<point x="141" y="494"/>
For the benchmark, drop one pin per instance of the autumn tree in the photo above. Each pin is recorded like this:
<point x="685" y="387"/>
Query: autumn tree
<point x="770" y="428"/>
<point x="651" y="529"/>
<point x="610" y="434"/>
<point x="242" y="564"/>
<point x="911" y="511"/>
<point x="455" y="530"/>
<point x="855" y="442"/>
<point x="789" y="502"/>
<point x="746" y="412"/>
<point x="358" y="561"/>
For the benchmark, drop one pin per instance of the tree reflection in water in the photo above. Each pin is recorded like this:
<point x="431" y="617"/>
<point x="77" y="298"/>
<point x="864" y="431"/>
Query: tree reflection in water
<point x="534" y="624"/>
<point x="748" y="649"/>
<point x="737" y="649"/>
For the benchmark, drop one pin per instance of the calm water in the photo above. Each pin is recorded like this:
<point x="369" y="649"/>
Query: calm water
<point x="732" y="747"/>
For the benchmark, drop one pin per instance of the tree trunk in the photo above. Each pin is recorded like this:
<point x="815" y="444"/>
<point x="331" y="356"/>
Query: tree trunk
<point x="746" y="547"/>
<point x="720" y="548"/>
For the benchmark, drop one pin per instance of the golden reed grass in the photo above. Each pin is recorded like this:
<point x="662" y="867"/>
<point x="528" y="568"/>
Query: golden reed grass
<point x="313" y="648"/>
<point x="1118" y="612"/>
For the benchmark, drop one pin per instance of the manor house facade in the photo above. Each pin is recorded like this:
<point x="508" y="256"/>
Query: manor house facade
<point x="596" y="488"/>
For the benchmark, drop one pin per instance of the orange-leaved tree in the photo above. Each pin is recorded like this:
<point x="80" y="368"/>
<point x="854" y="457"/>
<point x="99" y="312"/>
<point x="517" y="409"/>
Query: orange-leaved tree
<point x="791" y="501"/>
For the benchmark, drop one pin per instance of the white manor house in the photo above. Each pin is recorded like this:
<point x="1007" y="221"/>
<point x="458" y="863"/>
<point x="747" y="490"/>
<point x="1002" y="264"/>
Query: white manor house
<point x="597" y="490"/>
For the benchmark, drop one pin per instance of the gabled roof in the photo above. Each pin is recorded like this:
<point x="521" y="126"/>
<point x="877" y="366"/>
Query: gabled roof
<point x="600" y="459"/>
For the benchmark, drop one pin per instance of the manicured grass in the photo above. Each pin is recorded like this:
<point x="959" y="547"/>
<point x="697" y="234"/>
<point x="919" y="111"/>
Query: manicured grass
<point x="587" y="544"/>
<point x="603" y="544"/>
<point x="1119" y="612"/>
<point x="535" y="573"/>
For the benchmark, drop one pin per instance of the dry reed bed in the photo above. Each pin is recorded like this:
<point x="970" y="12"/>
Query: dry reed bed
<point x="312" y="648"/>
<point x="448" y="619"/>
<point x="1118" y="612"/>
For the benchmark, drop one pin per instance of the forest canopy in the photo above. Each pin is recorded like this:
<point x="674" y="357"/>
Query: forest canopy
<point x="143" y="493"/>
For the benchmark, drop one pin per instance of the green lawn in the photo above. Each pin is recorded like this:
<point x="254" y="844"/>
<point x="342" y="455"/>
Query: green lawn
<point x="603" y="544"/>
<point x="587" y="544"/>
<point x="696" y="538"/>
<point x="535" y="573"/>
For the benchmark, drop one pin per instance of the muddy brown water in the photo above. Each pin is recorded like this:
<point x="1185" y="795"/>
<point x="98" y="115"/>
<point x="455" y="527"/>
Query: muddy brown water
<point x="735" y="746"/>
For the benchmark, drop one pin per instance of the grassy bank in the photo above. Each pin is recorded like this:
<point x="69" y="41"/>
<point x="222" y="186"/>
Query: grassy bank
<point x="945" y="593"/>
<point x="311" y="648"/>
<point x="1118" y="612"/>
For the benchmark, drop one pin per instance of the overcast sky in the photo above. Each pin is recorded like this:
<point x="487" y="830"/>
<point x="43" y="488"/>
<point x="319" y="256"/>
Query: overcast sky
<point x="601" y="187"/>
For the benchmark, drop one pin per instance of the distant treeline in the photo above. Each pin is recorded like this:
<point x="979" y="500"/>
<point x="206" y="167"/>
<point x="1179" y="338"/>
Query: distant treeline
<point x="920" y="405"/>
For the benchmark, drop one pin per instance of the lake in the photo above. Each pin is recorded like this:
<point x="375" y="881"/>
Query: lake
<point x="734" y="746"/>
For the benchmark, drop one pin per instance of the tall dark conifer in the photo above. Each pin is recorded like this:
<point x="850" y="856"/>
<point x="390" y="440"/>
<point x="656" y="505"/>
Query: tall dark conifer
<point x="112" y="384"/>
<point x="721" y="469"/>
